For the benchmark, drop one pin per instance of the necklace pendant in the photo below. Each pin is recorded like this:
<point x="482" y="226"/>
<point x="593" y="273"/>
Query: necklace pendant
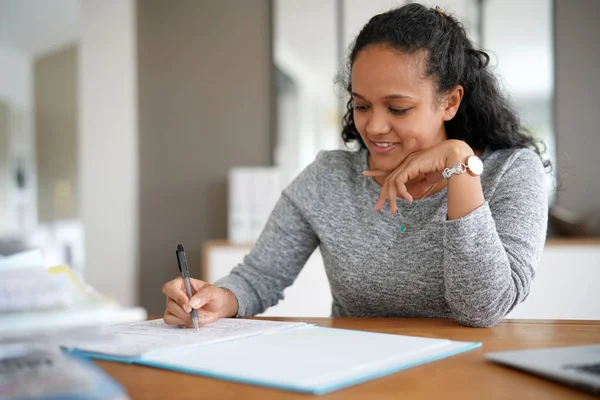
<point x="402" y="228"/>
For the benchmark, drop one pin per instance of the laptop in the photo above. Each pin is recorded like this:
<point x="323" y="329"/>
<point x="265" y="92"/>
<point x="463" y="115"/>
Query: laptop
<point x="577" y="366"/>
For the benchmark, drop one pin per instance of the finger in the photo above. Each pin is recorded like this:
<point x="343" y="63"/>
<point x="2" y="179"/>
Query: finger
<point x="382" y="197"/>
<point x="174" y="284"/>
<point x="402" y="191"/>
<point x="412" y="170"/>
<point x="174" y="290"/>
<point x="171" y="319"/>
<point x="204" y="296"/>
<point x="400" y="180"/>
<point x="206" y="317"/>
<point x="405" y="173"/>
<point x="400" y="185"/>
<point x="375" y="173"/>
<point x="392" y="197"/>
<point x="175" y="309"/>
<point x="197" y="284"/>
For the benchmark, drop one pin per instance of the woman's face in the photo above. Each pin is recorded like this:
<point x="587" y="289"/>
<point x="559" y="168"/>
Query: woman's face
<point x="395" y="109"/>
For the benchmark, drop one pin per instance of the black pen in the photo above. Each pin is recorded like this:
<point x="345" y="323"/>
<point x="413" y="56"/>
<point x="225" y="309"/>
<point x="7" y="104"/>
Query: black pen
<point x="185" y="273"/>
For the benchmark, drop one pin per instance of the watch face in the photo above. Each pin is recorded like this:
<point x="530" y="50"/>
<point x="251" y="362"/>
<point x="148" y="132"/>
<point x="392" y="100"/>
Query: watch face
<point x="475" y="165"/>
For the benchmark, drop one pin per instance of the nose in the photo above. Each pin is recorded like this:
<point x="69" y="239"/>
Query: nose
<point x="377" y="123"/>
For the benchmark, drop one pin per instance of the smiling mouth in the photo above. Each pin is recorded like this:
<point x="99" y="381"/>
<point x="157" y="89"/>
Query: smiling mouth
<point x="384" y="145"/>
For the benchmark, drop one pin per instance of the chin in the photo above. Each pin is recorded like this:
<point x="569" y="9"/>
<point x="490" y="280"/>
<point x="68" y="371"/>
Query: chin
<point x="385" y="163"/>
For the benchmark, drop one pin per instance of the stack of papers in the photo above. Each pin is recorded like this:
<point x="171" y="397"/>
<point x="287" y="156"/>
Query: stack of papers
<point x="35" y="300"/>
<point x="39" y="372"/>
<point x="31" y="289"/>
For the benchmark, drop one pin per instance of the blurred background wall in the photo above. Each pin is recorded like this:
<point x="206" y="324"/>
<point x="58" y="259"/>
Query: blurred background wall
<point x="204" y="107"/>
<point x="577" y="102"/>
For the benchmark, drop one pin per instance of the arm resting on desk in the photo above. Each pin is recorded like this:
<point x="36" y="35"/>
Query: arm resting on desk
<point x="491" y="253"/>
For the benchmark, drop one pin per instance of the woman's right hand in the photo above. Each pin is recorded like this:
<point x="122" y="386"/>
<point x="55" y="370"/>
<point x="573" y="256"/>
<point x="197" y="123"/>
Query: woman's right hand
<point x="212" y="303"/>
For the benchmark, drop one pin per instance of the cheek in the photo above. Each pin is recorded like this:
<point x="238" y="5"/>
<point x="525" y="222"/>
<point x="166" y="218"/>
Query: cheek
<point x="420" y="128"/>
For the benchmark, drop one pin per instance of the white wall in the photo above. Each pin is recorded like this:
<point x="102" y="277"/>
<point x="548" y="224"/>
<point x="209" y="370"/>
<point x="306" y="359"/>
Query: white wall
<point x="530" y="84"/>
<point x="523" y="56"/>
<point x="34" y="27"/>
<point x="577" y="52"/>
<point x="15" y="77"/>
<point x="17" y="211"/>
<point x="565" y="285"/>
<point x="308" y="116"/>
<point x="359" y="12"/>
<point x="108" y="146"/>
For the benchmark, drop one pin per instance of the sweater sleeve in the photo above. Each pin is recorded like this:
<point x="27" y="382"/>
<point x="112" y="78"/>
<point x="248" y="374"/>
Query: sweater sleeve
<point x="281" y="251"/>
<point x="490" y="254"/>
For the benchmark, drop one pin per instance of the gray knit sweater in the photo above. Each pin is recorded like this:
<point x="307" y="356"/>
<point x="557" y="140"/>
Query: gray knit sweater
<point x="475" y="269"/>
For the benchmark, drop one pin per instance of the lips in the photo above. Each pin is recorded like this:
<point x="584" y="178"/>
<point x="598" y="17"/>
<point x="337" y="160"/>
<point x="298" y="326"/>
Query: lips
<point x="383" y="147"/>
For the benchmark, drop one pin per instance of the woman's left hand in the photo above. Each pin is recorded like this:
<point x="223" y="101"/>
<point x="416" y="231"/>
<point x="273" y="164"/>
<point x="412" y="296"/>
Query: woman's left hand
<point x="427" y="164"/>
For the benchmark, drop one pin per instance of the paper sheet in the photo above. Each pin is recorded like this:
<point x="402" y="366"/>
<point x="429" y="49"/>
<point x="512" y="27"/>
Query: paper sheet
<point x="154" y="337"/>
<point x="31" y="289"/>
<point x="312" y="360"/>
<point x="26" y="259"/>
<point x="40" y="289"/>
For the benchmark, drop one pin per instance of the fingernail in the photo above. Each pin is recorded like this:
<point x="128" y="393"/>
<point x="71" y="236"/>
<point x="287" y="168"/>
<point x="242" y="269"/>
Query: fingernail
<point x="187" y="308"/>
<point x="195" y="302"/>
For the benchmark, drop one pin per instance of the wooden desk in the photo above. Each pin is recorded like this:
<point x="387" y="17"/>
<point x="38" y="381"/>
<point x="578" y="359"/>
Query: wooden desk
<point x="465" y="376"/>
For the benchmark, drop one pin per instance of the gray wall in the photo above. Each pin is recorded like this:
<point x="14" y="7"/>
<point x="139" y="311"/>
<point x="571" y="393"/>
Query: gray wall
<point x="204" y="106"/>
<point x="55" y="96"/>
<point x="4" y="164"/>
<point x="577" y="102"/>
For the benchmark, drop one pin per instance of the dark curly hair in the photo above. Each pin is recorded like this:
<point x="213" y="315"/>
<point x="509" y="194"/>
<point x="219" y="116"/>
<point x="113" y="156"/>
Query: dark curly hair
<point x="485" y="117"/>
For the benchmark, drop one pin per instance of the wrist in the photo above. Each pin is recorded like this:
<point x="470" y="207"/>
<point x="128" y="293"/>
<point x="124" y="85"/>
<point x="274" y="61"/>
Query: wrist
<point x="458" y="152"/>
<point x="231" y="306"/>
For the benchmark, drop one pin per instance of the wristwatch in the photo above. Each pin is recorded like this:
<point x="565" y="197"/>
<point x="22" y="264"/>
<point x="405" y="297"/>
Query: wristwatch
<point x="472" y="164"/>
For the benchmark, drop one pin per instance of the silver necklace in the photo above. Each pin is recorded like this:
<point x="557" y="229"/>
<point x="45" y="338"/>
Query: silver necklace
<point x="402" y="227"/>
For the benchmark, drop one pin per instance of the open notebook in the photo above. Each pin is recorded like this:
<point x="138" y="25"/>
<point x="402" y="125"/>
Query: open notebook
<point x="284" y="355"/>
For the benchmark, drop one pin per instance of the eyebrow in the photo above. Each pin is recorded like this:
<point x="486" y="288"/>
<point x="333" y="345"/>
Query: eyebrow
<point x="388" y="97"/>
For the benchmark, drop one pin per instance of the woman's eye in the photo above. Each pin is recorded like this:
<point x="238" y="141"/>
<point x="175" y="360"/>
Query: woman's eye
<point x="398" y="111"/>
<point x="360" y="108"/>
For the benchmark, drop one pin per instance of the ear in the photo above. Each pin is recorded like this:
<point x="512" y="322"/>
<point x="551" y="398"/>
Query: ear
<point x="452" y="102"/>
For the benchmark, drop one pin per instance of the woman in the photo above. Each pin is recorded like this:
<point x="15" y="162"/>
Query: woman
<point x="441" y="213"/>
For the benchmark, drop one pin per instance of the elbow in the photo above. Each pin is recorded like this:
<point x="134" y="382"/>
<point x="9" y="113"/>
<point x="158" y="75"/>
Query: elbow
<point x="487" y="308"/>
<point x="482" y="315"/>
<point x="478" y="321"/>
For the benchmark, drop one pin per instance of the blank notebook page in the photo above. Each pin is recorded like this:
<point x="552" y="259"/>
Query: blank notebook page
<point x="310" y="359"/>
